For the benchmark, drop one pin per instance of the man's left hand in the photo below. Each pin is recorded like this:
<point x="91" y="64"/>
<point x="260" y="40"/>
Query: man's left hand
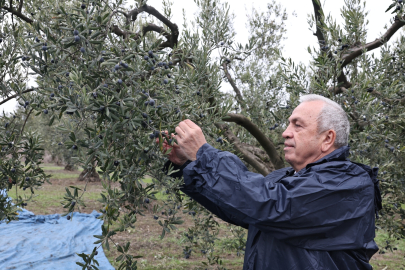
<point x="190" y="138"/>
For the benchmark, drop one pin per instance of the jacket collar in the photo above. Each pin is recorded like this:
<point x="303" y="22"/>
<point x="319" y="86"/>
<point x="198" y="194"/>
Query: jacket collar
<point x="339" y="154"/>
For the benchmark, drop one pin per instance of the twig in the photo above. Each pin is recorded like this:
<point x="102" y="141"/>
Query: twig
<point x="387" y="100"/>
<point x="28" y="115"/>
<point x="20" y="6"/>
<point x="16" y="95"/>
<point x="18" y="14"/>
<point x="235" y="88"/>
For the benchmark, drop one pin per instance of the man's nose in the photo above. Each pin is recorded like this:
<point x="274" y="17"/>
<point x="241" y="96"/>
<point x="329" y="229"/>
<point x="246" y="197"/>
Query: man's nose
<point x="287" y="133"/>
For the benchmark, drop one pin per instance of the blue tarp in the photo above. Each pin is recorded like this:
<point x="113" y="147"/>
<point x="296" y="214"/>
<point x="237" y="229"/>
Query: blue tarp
<point x="49" y="241"/>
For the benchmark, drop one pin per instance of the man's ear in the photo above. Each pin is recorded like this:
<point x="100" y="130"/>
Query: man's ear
<point x="328" y="140"/>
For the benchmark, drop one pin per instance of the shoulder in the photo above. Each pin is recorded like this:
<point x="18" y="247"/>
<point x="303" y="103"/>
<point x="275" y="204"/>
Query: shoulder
<point x="340" y="172"/>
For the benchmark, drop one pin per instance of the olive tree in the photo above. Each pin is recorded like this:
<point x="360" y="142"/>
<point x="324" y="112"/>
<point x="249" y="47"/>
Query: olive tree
<point x="122" y="82"/>
<point x="125" y="81"/>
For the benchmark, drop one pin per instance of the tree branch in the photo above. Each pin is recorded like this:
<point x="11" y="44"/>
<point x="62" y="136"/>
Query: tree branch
<point x="341" y="80"/>
<point x="145" y="29"/>
<point x="151" y="10"/>
<point x="264" y="141"/>
<point x="318" y="17"/>
<point x="256" y="162"/>
<point x="20" y="6"/>
<point x="361" y="123"/>
<point x="358" y="50"/>
<point x="343" y="83"/>
<point x="16" y="95"/>
<point x="157" y="29"/>
<point x="116" y="30"/>
<point x="235" y="88"/>
<point x="260" y="160"/>
<point x="153" y="27"/>
<point x="18" y="14"/>
<point x="387" y="100"/>
<point x="22" y="129"/>
<point x="127" y="17"/>
<point x="173" y="38"/>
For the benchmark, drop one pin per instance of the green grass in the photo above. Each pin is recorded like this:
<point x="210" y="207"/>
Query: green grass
<point x="50" y="194"/>
<point x="48" y="198"/>
<point x="159" y="195"/>
<point x="167" y="260"/>
<point x="51" y="168"/>
<point x="177" y="264"/>
<point x="391" y="259"/>
<point x="64" y="175"/>
<point x="167" y="252"/>
<point x="48" y="167"/>
<point x="42" y="198"/>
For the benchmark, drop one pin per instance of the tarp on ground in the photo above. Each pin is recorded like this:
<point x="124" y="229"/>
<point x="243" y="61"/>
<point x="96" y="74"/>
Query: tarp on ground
<point x="42" y="242"/>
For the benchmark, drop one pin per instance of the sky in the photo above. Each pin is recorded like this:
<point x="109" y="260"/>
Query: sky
<point x="298" y="35"/>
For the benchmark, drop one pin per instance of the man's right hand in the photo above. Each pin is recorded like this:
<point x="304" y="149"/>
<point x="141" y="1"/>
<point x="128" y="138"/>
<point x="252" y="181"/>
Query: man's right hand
<point x="176" y="155"/>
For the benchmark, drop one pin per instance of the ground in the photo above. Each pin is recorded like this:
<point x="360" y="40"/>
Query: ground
<point x="145" y="237"/>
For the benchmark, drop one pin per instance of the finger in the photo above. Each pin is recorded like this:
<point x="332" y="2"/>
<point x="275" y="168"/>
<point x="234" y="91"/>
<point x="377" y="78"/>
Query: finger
<point x="176" y="137"/>
<point x="176" y="146"/>
<point x="179" y="131"/>
<point x="178" y="140"/>
<point x="166" y="144"/>
<point x="191" y="124"/>
<point x="173" y="137"/>
<point x="184" y="126"/>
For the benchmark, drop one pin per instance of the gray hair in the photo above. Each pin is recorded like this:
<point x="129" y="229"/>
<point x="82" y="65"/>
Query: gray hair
<point x="332" y="116"/>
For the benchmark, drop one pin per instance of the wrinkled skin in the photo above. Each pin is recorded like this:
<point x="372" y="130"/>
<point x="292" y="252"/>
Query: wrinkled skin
<point x="303" y="143"/>
<point x="190" y="138"/>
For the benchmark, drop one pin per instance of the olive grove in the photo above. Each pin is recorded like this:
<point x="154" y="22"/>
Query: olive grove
<point x="112" y="78"/>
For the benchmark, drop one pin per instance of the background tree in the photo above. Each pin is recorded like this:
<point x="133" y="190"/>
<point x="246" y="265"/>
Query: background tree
<point x="121" y="80"/>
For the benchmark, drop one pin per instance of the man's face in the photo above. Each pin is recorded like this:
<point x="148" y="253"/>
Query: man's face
<point x="302" y="141"/>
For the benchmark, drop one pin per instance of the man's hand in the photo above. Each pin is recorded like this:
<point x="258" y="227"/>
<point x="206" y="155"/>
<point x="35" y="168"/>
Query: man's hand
<point x="176" y="155"/>
<point x="190" y="138"/>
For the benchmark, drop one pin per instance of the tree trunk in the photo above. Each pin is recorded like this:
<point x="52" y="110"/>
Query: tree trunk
<point x="69" y="167"/>
<point x="90" y="175"/>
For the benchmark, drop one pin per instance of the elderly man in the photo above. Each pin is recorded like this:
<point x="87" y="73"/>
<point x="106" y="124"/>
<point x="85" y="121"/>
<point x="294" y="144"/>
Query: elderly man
<point x="316" y="214"/>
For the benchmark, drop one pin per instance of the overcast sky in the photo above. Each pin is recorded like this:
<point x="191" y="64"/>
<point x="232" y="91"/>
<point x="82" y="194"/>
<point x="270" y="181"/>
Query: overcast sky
<point x="299" y="36"/>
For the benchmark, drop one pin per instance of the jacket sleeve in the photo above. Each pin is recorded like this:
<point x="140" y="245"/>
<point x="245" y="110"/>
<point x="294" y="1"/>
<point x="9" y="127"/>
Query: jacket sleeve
<point x="191" y="191"/>
<point x="315" y="203"/>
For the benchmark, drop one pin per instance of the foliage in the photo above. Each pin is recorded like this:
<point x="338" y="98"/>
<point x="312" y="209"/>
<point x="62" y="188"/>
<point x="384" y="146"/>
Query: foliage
<point x="113" y="83"/>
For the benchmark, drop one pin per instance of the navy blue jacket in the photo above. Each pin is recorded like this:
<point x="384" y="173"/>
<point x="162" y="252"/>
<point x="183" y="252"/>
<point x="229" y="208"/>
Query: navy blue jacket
<point x="321" y="217"/>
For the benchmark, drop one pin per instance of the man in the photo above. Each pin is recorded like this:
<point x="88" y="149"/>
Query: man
<point x="316" y="214"/>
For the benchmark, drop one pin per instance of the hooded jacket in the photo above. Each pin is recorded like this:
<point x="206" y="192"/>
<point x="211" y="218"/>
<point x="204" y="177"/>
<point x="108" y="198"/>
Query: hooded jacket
<point x="321" y="217"/>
